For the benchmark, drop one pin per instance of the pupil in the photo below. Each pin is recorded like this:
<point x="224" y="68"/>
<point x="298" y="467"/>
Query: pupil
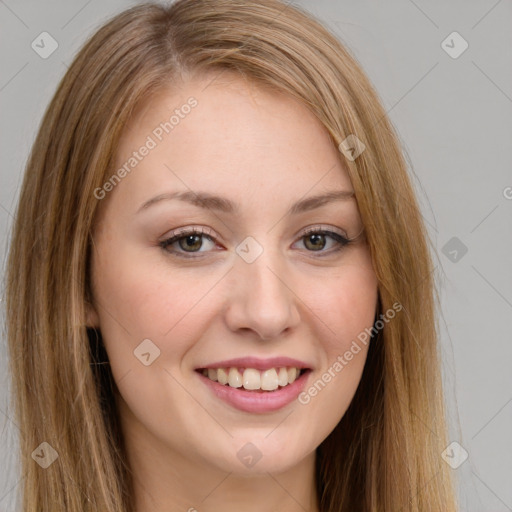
<point x="316" y="238"/>
<point x="191" y="241"/>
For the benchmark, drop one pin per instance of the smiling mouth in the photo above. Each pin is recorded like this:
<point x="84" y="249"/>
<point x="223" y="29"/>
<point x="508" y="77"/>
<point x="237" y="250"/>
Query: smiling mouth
<point x="251" y="379"/>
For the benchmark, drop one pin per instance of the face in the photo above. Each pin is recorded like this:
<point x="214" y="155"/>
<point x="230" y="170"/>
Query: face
<point x="216" y="274"/>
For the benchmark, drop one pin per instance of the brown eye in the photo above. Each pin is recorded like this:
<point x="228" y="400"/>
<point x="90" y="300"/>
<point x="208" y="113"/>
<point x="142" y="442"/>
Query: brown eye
<point x="323" y="241"/>
<point x="188" y="242"/>
<point x="315" y="242"/>
<point x="192" y="242"/>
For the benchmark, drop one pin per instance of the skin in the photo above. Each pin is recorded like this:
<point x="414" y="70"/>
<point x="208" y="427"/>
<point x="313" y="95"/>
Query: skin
<point x="264" y="151"/>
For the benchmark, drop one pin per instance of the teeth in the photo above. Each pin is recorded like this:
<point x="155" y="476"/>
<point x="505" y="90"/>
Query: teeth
<point x="252" y="379"/>
<point x="269" y="380"/>
<point x="282" y="377"/>
<point x="292" y="375"/>
<point x="234" y="378"/>
<point x="222" y="376"/>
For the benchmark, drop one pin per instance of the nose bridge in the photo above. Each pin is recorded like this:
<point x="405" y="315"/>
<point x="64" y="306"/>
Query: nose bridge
<point x="261" y="298"/>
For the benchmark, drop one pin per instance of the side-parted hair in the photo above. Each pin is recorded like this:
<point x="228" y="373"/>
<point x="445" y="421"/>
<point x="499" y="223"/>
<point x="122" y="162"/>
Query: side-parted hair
<point x="385" y="453"/>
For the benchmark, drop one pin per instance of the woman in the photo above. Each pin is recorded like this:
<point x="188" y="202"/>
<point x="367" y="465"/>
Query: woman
<point x="219" y="285"/>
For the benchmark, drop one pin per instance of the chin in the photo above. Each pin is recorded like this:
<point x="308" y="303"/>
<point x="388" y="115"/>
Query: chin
<point x="260" y="454"/>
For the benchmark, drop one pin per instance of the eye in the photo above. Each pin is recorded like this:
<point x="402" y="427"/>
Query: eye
<point x="188" y="241"/>
<point x="317" y="239"/>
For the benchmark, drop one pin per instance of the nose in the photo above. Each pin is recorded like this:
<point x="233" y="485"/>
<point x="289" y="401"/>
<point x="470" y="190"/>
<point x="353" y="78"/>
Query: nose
<point x="261" y="298"/>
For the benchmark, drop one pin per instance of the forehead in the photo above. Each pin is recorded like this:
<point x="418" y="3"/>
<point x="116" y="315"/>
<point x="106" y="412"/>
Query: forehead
<point x="239" y="139"/>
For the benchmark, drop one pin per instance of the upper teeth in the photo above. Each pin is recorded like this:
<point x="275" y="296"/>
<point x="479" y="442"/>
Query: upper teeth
<point x="252" y="379"/>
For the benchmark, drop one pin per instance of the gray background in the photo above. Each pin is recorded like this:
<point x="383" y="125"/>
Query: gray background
<point x="454" y="117"/>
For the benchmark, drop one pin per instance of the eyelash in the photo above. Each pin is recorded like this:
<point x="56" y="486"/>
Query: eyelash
<point x="341" y="241"/>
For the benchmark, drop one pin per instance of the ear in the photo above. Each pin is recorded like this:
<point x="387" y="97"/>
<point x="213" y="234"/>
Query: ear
<point x="92" y="317"/>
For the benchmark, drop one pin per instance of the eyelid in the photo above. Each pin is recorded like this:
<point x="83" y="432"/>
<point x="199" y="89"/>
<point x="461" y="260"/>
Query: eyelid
<point x="313" y="228"/>
<point x="338" y="235"/>
<point x="174" y="235"/>
<point x="322" y="227"/>
<point x="190" y="229"/>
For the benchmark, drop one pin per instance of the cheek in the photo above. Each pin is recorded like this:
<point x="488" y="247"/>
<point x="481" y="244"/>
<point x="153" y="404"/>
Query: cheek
<point x="346" y="304"/>
<point x="348" y="308"/>
<point x="343" y="308"/>
<point x="139" y="298"/>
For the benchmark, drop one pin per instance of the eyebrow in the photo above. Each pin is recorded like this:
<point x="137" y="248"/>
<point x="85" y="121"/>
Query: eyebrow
<point x="222" y="204"/>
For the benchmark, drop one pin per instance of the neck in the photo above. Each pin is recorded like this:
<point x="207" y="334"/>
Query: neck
<point x="199" y="489"/>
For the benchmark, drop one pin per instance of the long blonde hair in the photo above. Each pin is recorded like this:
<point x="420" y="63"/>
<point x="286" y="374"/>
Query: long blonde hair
<point x="385" y="453"/>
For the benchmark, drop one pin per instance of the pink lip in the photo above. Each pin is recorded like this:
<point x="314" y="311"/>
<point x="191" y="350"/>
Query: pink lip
<point x="259" y="364"/>
<point x="253" y="401"/>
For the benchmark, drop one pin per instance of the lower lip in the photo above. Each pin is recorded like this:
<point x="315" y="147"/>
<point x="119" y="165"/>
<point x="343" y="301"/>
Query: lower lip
<point x="253" y="401"/>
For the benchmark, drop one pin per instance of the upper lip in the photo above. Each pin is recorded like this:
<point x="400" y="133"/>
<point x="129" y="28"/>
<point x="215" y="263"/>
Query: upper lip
<point x="258" y="364"/>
